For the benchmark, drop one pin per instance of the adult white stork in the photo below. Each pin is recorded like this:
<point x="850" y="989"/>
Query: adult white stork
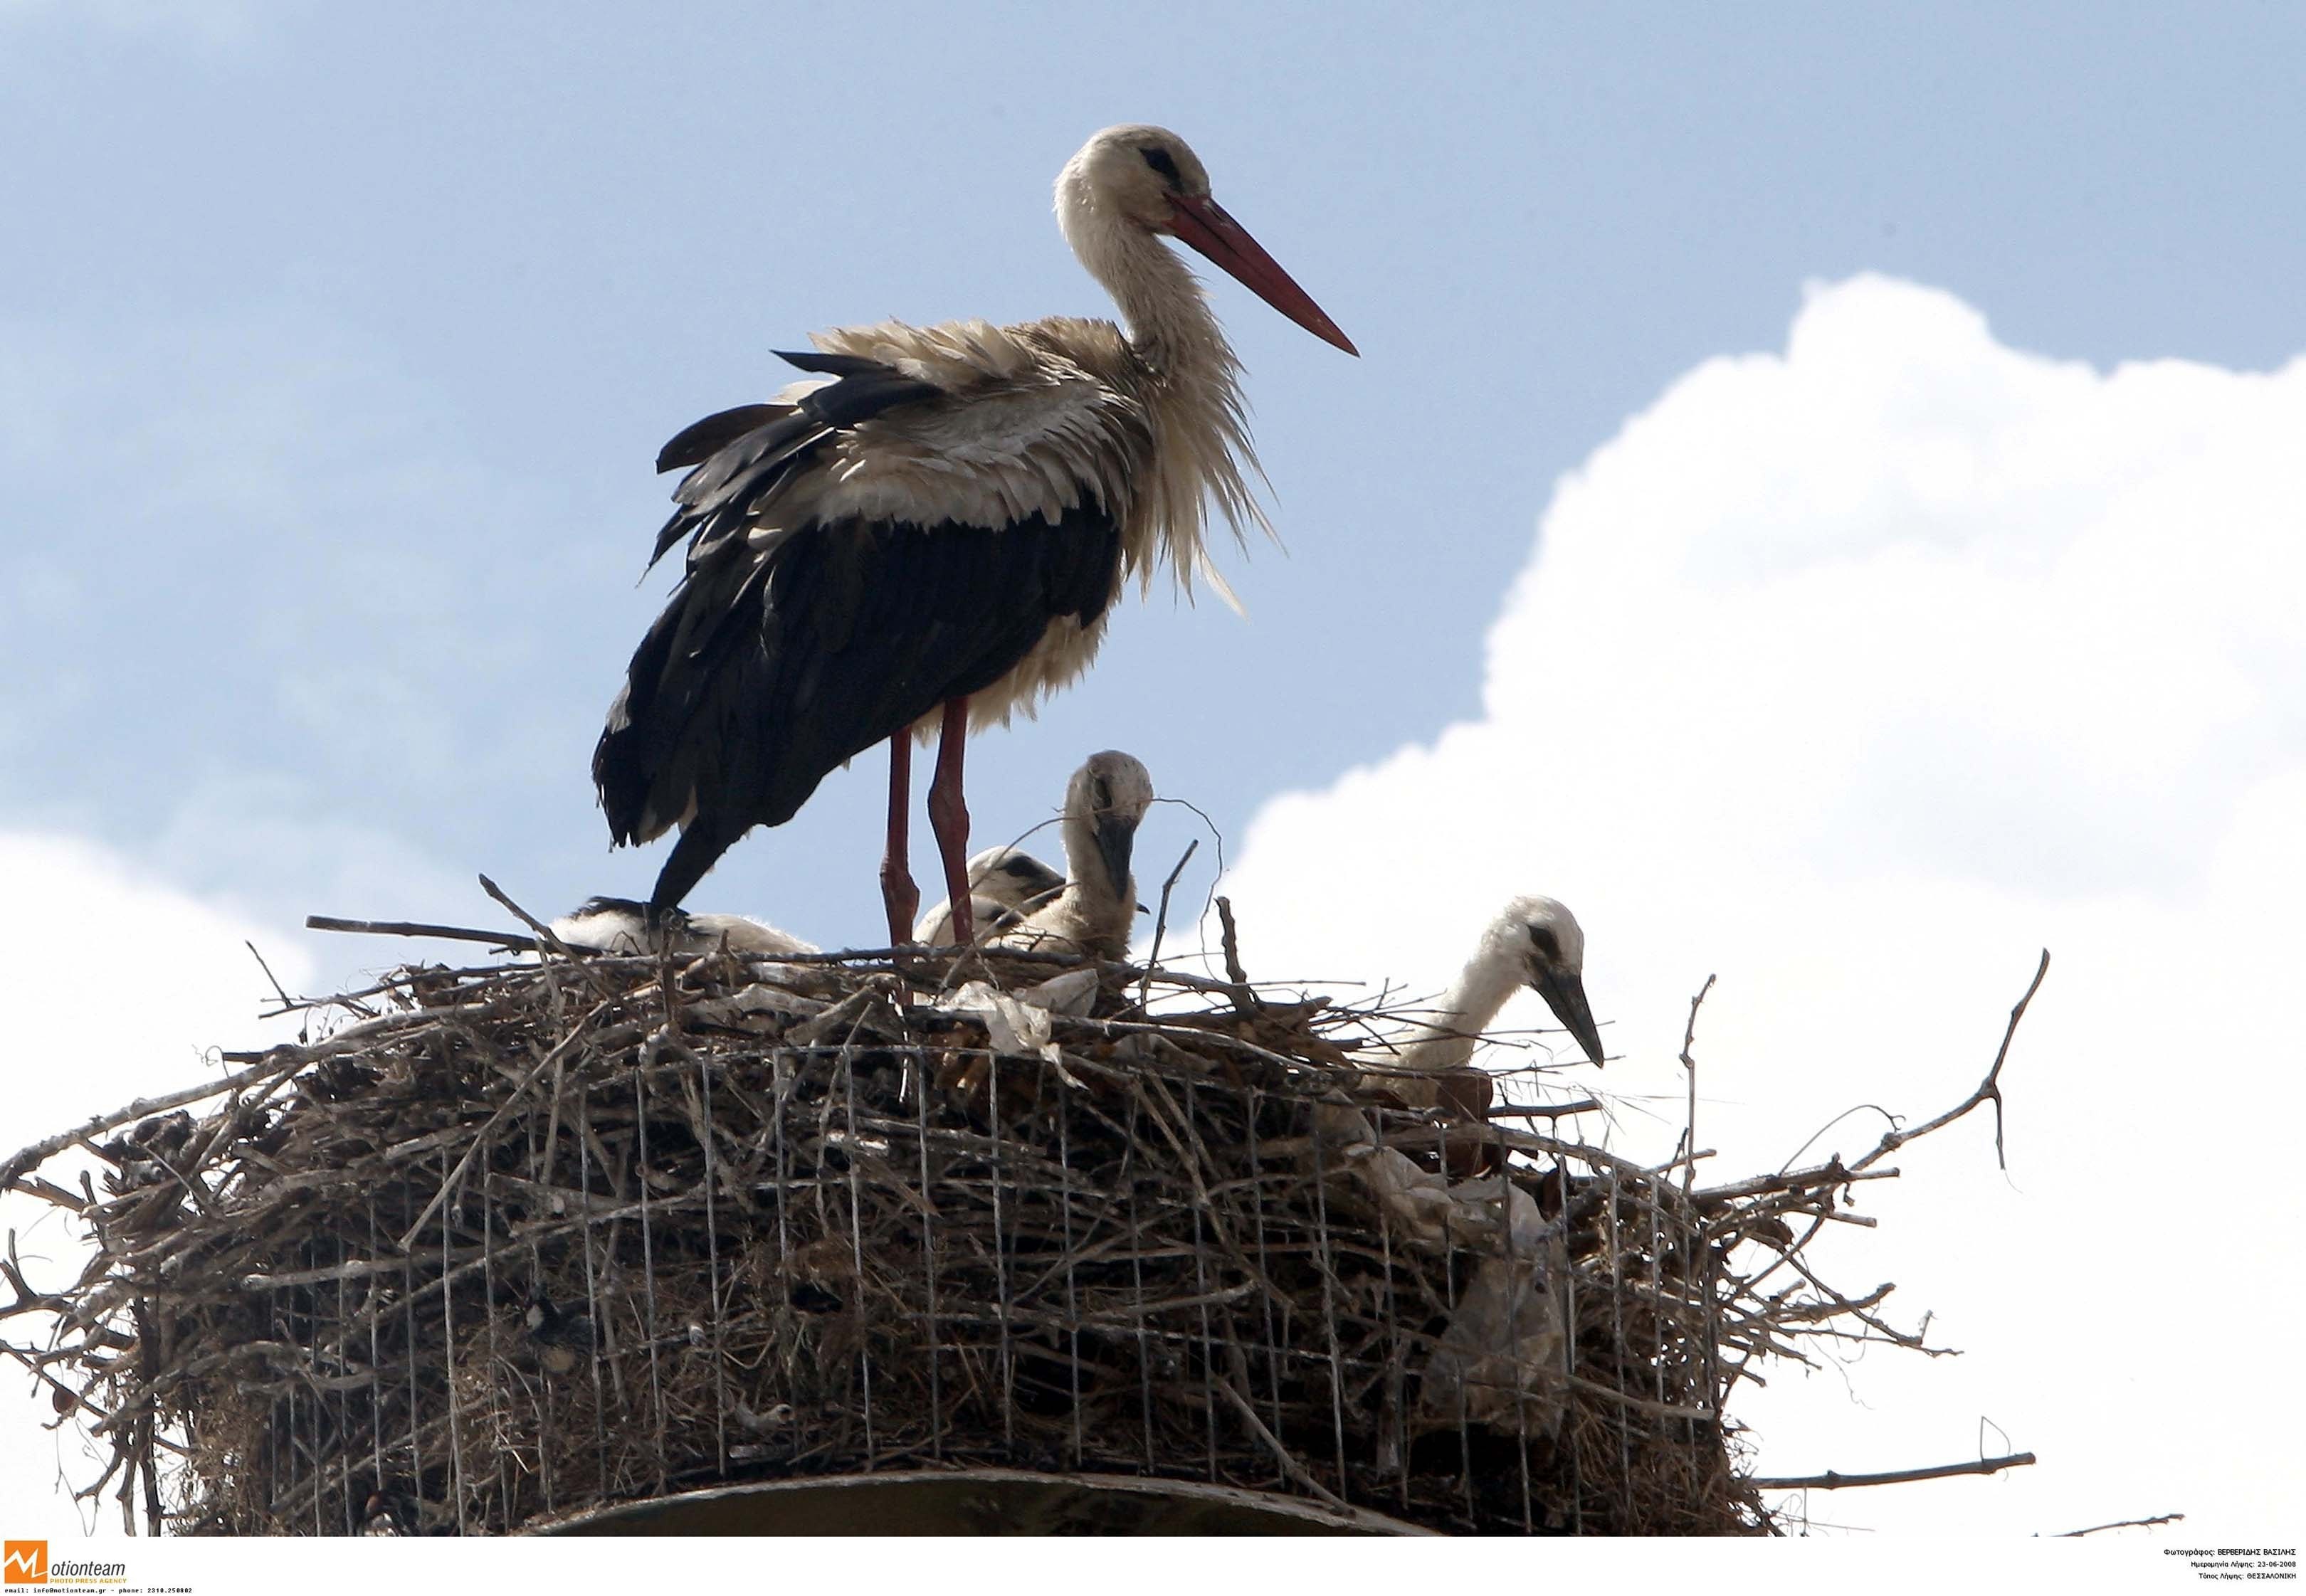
<point x="932" y="538"/>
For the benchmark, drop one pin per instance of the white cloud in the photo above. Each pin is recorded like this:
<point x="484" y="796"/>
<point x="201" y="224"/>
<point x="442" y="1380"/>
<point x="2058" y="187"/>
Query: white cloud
<point x="114" y="988"/>
<point x="1856" y="674"/>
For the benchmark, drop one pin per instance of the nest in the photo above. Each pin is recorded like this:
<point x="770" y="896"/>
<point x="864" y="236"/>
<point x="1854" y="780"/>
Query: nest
<point x="521" y="1241"/>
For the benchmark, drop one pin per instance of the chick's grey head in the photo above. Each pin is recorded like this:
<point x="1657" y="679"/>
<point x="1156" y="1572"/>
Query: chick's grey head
<point x="1111" y="792"/>
<point x="1013" y="878"/>
<point x="1548" y="945"/>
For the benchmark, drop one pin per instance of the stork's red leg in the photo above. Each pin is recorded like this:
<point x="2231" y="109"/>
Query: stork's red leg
<point x="949" y="817"/>
<point x="898" y="891"/>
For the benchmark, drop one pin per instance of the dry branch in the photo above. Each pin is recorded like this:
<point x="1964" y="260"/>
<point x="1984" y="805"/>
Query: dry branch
<point x="1988" y="1089"/>
<point x="511" y="941"/>
<point x="1831" y="1481"/>
<point x="2125" y="1523"/>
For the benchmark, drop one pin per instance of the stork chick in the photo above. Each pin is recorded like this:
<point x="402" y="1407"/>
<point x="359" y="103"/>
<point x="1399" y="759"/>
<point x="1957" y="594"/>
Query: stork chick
<point x="1093" y="916"/>
<point x="620" y="926"/>
<point x="1535" y="943"/>
<point x="1005" y="885"/>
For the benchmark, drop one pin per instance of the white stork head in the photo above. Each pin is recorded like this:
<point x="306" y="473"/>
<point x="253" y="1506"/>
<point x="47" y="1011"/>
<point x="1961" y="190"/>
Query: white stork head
<point x="1141" y="171"/>
<point x="1013" y="878"/>
<point x="1540" y="941"/>
<point x="1105" y="801"/>
<point x="1108" y="796"/>
<point x="1005" y="885"/>
<point x="1130" y="182"/>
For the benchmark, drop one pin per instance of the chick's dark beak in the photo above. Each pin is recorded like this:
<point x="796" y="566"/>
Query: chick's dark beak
<point x="1116" y="840"/>
<point x="1565" y="993"/>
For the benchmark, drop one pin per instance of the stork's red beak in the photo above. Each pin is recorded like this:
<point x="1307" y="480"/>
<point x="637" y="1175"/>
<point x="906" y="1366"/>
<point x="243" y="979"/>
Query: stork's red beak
<point x="1202" y="224"/>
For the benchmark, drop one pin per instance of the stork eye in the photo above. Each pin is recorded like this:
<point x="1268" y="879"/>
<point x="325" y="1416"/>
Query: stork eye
<point x="1163" y="162"/>
<point x="1548" y="946"/>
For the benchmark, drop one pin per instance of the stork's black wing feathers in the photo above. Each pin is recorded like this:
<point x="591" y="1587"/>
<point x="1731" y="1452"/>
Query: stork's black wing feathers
<point x="741" y="454"/>
<point x="771" y="666"/>
<point x="695" y="443"/>
<point x="772" y="663"/>
<point x="855" y="398"/>
<point x="866" y="387"/>
<point x="823" y="364"/>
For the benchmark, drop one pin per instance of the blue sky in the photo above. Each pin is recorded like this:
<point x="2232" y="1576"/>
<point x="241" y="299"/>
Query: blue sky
<point x="1820" y="495"/>
<point x="330" y="386"/>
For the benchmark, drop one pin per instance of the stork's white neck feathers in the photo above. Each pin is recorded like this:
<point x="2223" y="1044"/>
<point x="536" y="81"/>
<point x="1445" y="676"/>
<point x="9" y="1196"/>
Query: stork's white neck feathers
<point x="1086" y="875"/>
<point x="1499" y="967"/>
<point x="1191" y="379"/>
<point x="1162" y="303"/>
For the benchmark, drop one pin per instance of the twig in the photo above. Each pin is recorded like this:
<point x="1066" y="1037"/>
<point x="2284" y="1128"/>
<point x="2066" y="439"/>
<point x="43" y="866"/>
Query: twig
<point x="1818" y="1135"/>
<point x="1216" y="836"/>
<point x="1273" y="1443"/>
<point x="1914" y="1343"/>
<point x="544" y="936"/>
<point x="2125" y="1523"/>
<point x="285" y="1001"/>
<point x="1244" y="998"/>
<point x="272" y="1063"/>
<point x="511" y="940"/>
<point x="1990" y="1088"/>
<point x="1689" y="1066"/>
<point x="1831" y="1481"/>
<point x="1799" y="1179"/>
<point x="1161" y="924"/>
<point x="1551" y="1111"/>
